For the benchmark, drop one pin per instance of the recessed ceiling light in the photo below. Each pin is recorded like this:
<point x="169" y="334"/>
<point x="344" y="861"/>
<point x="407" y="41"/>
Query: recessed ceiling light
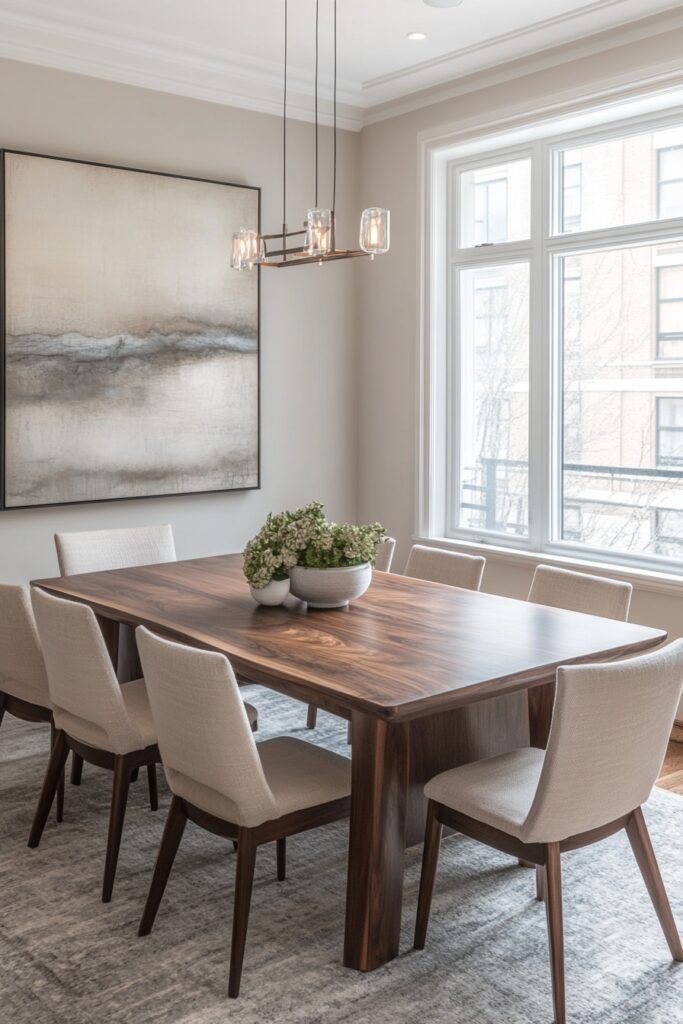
<point x="416" y="36"/>
<point x="443" y="3"/>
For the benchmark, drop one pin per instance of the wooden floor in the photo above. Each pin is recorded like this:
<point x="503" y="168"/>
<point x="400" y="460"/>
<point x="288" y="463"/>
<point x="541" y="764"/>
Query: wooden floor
<point x="672" y="769"/>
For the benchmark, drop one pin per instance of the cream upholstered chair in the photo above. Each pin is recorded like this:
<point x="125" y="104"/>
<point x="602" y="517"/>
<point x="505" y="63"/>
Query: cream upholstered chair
<point x="223" y="780"/>
<point x="106" y="724"/>
<point x="580" y="592"/>
<point x="98" y="550"/>
<point x="450" y="567"/>
<point x="385" y="554"/>
<point x="610" y="729"/>
<point x="23" y="680"/>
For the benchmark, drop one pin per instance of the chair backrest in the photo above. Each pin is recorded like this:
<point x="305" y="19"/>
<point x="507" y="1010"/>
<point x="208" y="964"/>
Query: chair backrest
<point x="385" y="554"/>
<point x="202" y="725"/>
<point x="580" y="592"/>
<point x="83" y="686"/>
<point x="450" y="567"/>
<point x="22" y="669"/>
<point x="609" y="734"/>
<point x="99" y="550"/>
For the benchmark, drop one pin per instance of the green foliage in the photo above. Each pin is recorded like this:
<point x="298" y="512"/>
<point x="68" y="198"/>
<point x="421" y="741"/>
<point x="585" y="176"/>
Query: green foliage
<point x="306" y="537"/>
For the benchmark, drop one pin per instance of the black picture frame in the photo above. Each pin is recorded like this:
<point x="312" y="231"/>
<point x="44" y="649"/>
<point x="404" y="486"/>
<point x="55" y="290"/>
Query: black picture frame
<point x="4" y="507"/>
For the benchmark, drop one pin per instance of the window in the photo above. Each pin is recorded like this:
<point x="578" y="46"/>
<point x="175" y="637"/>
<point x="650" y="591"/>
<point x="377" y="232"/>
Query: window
<point x="670" y="311"/>
<point x="561" y="396"/>
<point x="620" y="180"/>
<point x="670" y="431"/>
<point x="495" y="204"/>
<point x="571" y="190"/>
<point x="670" y="181"/>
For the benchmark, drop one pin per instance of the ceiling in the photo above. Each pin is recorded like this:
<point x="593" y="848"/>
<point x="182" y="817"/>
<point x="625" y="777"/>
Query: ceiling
<point x="231" y="50"/>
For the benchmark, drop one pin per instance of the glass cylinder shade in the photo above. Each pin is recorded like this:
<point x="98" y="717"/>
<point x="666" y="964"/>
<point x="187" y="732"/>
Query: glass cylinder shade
<point x="374" y="231"/>
<point x="318" y="232"/>
<point x="247" y="249"/>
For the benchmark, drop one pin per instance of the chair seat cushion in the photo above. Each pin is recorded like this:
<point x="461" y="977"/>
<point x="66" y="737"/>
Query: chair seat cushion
<point x="299" y="774"/>
<point x="498" y="791"/>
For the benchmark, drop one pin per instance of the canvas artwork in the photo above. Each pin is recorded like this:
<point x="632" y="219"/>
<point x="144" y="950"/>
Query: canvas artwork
<point x="130" y="355"/>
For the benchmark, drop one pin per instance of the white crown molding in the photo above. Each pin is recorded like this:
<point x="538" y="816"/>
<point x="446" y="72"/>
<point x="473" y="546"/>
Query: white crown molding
<point x="32" y="33"/>
<point x="98" y="49"/>
<point x="539" y="61"/>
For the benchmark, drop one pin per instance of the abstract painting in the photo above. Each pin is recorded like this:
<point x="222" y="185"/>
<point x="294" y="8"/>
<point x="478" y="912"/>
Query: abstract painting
<point x="130" y="349"/>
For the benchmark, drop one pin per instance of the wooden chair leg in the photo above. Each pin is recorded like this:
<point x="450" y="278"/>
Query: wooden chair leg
<point x="134" y="775"/>
<point x="152" y="784"/>
<point x="60" y="784"/>
<point x="553" y="908"/>
<point x="55" y="771"/>
<point x="3" y="705"/>
<point x="281" y="859"/>
<point x="312" y="716"/>
<point x="430" y="858"/>
<point x="170" y="841"/>
<point x="641" y="845"/>
<point x="76" y="769"/>
<point x="540" y="883"/>
<point x="119" y="800"/>
<point x="246" y="861"/>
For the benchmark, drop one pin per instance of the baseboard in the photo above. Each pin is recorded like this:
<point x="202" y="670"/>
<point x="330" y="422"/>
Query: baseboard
<point x="677" y="734"/>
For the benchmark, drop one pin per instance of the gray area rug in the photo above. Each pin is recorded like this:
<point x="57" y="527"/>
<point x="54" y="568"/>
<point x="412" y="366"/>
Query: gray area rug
<point x="65" y="957"/>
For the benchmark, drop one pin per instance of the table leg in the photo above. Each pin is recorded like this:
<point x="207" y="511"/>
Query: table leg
<point x="377" y="842"/>
<point x="110" y="632"/>
<point x="541" y="700"/>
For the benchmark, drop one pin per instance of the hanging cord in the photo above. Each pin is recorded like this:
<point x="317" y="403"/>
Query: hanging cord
<point x="334" y="118"/>
<point x="284" y="142"/>
<point x="317" y="23"/>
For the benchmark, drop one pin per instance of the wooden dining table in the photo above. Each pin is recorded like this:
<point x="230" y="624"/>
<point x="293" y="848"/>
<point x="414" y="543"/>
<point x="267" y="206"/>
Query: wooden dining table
<point x="430" y="677"/>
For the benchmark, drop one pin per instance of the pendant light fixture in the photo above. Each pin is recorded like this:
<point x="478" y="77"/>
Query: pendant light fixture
<point x="316" y="241"/>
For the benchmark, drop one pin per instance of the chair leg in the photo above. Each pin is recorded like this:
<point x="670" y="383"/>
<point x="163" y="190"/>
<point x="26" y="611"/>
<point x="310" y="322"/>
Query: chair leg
<point x="312" y="716"/>
<point x="540" y="883"/>
<point x="3" y="705"/>
<point x="119" y="800"/>
<point x="641" y="845"/>
<point x="134" y="775"/>
<point x="60" y="785"/>
<point x="170" y="841"/>
<point x="281" y="859"/>
<point x="152" y="784"/>
<point x="553" y="908"/>
<point x="430" y="858"/>
<point x="246" y="861"/>
<point x="76" y="769"/>
<point x="55" y="771"/>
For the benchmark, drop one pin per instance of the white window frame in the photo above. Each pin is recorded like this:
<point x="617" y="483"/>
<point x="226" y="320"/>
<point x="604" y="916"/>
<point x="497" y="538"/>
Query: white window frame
<point x="438" y="472"/>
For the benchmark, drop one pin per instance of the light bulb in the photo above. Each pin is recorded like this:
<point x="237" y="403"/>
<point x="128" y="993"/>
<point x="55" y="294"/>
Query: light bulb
<point x="374" y="231"/>
<point x="318" y="232"/>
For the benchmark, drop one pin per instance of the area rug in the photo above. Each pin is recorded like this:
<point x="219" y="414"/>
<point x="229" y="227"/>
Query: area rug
<point x="65" y="957"/>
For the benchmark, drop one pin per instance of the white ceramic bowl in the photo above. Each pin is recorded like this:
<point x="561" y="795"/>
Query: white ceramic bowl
<point x="330" y="588"/>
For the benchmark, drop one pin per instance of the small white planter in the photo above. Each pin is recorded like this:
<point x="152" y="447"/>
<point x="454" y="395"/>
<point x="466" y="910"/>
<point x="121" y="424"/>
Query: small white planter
<point x="273" y="593"/>
<point x="330" y="588"/>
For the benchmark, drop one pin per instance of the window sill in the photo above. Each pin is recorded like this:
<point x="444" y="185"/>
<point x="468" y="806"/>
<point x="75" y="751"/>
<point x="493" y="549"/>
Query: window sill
<point x="642" y="579"/>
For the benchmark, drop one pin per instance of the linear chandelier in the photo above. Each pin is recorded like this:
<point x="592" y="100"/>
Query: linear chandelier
<point x="316" y="241"/>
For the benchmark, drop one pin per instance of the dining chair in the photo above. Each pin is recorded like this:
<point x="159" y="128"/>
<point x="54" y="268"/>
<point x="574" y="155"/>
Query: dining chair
<point x="383" y="560"/>
<point x="610" y="728"/>
<point x="580" y="592"/>
<point x="385" y="554"/>
<point x="449" y="567"/>
<point x="225" y="782"/>
<point x="23" y="681"/>
<point x="106" y="724"/>
<point x="99" y="550"/>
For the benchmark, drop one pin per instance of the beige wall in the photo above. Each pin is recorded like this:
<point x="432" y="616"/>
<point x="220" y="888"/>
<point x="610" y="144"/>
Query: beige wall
<point x="308" y="337"/>
<point x="389" y="297"/>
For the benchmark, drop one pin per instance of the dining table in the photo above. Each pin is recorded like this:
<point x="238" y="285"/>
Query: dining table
<point x="430" y="676"/>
